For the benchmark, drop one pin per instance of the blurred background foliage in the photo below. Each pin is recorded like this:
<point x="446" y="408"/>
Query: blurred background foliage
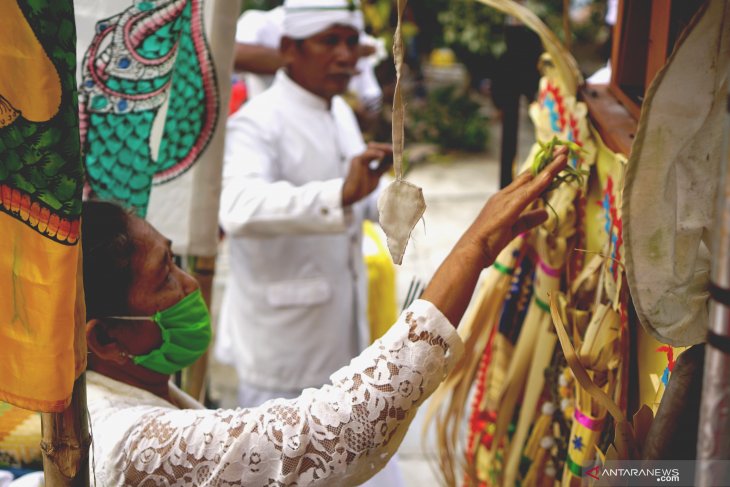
<point x="449" y="118"/>
<point x="477" y="35"/>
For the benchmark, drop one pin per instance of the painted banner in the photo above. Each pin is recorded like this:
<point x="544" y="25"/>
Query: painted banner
<point x="150" y="103"/>
<point x="42" y="347"/>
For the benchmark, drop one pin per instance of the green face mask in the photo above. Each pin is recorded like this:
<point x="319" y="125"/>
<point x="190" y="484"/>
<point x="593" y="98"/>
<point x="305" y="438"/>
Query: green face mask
<point x="186" y="334"/>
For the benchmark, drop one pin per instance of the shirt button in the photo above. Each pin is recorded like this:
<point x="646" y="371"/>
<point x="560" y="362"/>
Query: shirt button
<point x="324" y="211"/>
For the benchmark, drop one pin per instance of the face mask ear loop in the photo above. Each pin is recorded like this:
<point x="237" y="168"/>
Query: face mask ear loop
<point x="155" y="318"/>
<point x="134" y="318"/>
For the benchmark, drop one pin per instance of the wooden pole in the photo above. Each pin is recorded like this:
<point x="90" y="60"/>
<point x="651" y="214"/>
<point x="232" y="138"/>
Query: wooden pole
<point x="194" y="377"/>
<point x="508" y="145"/>
<point x="713" y="446"/>
<point x="220" y="22"/>
<point x="566" y="24"/>
<point x="66" y="441"/>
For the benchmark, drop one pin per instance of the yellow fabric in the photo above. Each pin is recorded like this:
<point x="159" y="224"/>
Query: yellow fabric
<point x="20" y="437"/>
<point x="38" y="307"/>
<point x="37" y="77"/>
<point x="382" y="308"/>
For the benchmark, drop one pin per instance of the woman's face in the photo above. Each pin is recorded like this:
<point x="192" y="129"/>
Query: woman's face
<point x="157" y="284"/>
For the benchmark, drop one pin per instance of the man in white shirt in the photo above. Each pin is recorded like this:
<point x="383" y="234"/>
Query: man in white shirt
<point x="297" y="184"/>
<point x="258" y="34"/>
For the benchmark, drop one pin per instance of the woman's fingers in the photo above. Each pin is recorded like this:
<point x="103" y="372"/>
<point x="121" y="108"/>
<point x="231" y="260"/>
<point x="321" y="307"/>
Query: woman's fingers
<point x="550" y="171"/>
<point x="533" y="188"/>
<point x="529" y="220"/>
<point x="528" y="188"/>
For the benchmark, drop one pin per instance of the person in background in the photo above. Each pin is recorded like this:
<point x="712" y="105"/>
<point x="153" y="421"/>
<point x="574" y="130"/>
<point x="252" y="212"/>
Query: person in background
<point x="146" y="321"/>
<point x="257" y="56"/>
<point x="297" y="184"/>
<point x="298" y="181"/>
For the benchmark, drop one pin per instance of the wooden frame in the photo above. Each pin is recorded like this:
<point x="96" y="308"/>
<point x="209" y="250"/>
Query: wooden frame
<point x="639" y="50"/>
<point x="615" y="124"/>
<point x="644" y="34"/>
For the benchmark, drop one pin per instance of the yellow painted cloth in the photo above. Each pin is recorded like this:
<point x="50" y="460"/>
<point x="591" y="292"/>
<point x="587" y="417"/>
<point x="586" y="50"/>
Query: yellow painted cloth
<point x="42" y="346"/>
<point x="382" y="307"/>
<point x="20" y="438"/>
<point x="38" y="306"/>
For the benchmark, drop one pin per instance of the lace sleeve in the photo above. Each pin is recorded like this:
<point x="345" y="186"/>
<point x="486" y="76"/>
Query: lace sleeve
<point x="339" y="435"/>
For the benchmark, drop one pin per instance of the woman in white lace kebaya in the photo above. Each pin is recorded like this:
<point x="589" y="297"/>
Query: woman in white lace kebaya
<point x="145" y="321"/>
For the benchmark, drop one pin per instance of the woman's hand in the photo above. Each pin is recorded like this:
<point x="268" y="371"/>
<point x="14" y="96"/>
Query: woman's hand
<point x="501" y="219"/>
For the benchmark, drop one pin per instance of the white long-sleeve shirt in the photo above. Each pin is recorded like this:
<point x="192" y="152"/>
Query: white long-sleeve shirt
<point x="338" y="435"/>
<point x="294" y="306"/>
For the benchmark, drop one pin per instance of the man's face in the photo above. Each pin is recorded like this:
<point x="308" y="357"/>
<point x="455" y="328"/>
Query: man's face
<point x="324" y="63"/>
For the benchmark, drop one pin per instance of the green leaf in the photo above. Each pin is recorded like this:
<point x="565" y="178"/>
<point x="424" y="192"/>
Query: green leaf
<point x="50" y="200"/>
<point x="21" y="183"/>
<point x="52" y="164"/>
<point x="49" y="137"/>
<point x="65" y="188"/>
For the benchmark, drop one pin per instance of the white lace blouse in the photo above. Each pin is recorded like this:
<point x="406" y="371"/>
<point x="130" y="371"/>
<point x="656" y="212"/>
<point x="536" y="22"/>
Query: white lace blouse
<point x="338" y="435"/>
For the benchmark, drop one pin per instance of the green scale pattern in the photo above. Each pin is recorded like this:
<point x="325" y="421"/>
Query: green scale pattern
<point x="43" y="158"/>
<point x="118" y="155"/>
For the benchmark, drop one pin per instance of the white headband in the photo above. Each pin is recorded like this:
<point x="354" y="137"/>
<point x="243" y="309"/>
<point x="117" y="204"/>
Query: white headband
<point x="305" y="18"/>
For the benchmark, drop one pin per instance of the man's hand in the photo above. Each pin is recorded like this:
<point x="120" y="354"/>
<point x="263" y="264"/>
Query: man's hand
<point x="362" y="178"/>
<point x="364" y="50"/>
<point x="502" y="218"/>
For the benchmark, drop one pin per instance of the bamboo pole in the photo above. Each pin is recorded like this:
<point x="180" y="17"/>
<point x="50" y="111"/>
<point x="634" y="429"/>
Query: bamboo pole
<point x="194" y="377"/>
<point x="220" y="22"/>
<point x="66" y="441"/>
<point x="567" y="35"/>
<point x="713" y="447"/>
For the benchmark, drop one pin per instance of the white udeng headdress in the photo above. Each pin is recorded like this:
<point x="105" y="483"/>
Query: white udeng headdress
<point x="304" y="18"/>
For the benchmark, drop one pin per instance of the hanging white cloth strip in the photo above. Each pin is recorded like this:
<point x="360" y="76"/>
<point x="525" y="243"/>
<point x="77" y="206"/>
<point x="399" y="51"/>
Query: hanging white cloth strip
<point x="671" y="183"/>
<point x="401" y="204"/>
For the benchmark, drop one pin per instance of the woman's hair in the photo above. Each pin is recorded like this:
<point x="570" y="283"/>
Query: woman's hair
<point x="107" y="248"/>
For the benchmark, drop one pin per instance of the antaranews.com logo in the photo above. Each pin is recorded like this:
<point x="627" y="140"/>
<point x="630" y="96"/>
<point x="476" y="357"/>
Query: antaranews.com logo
<point x="678" y="473"/>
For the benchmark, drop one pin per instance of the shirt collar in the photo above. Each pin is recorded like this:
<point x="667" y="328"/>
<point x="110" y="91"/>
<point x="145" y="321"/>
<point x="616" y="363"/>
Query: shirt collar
<point x="299" y="93"/>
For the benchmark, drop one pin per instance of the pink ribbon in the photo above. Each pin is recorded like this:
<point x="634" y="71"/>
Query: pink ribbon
<point x="550" y="271"/>
<point x="590" y="423"/>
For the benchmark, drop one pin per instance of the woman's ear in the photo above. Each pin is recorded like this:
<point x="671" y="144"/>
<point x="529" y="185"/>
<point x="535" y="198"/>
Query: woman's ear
<point x="102" y="343"/>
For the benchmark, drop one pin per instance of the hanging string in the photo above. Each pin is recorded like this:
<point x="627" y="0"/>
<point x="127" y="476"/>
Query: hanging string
<point x="91" y="445"/>
<point x="398" y="108"/>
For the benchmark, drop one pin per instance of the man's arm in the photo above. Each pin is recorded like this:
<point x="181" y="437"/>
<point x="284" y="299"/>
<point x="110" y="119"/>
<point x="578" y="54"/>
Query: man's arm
<point x="257" y="59"/>
<point x="254" y="201"/>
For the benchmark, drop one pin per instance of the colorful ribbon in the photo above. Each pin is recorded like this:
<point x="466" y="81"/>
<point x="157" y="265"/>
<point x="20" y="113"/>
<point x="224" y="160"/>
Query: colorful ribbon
<point x="503" y="268"/>
<point x="588" y="422"/>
